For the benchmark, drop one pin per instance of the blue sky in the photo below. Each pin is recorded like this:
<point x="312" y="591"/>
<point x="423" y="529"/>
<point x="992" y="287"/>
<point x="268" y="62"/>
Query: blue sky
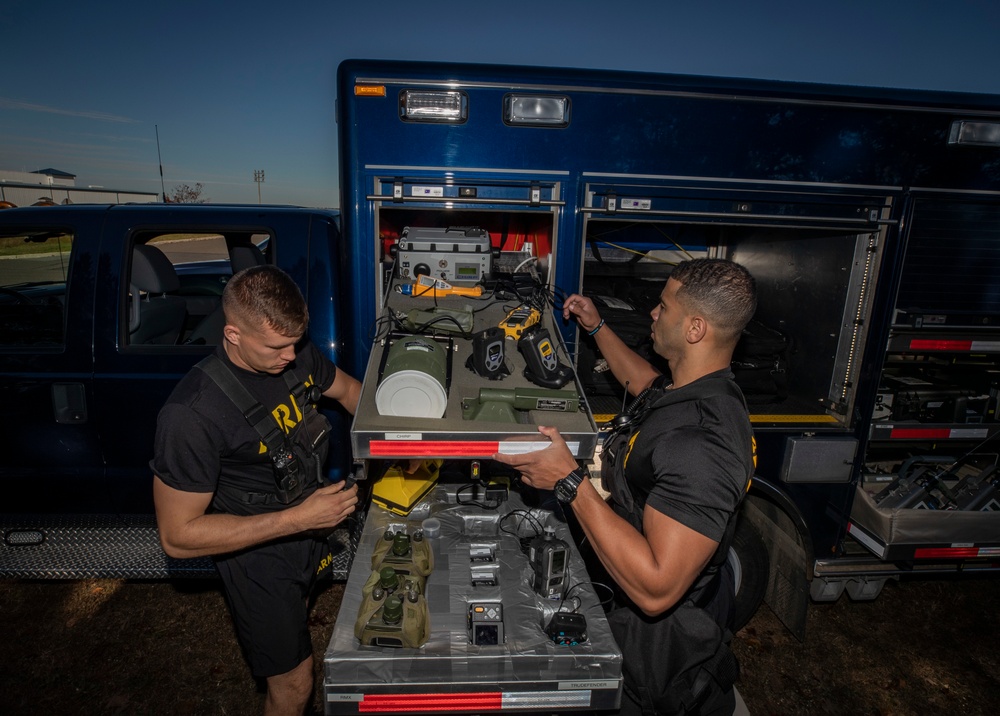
<point x="238" y="86"/>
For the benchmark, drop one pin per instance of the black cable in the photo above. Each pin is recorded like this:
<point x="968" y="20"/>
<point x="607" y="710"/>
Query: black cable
<point x="524" y="515"/>
<point x="422" y="327"/>
<point x="602" y="602"/>
<point x="476" y="503"/>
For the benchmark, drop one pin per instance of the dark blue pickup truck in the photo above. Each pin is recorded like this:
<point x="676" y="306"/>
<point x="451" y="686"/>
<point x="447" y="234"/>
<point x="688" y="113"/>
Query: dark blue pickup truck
<point x="102" y="310"/>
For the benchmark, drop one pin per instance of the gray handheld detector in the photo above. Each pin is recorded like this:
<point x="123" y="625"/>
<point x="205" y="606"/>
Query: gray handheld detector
<point x="549" y="558"/>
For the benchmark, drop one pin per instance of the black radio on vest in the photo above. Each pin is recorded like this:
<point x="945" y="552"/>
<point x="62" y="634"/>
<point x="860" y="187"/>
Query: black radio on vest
<point x="297" y="457"/>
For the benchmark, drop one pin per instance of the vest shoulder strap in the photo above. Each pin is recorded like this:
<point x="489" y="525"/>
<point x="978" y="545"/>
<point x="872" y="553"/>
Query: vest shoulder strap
<point x="256" y="415"/>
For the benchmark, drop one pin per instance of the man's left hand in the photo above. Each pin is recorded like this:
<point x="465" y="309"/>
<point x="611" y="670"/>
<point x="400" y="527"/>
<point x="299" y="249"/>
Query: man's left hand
<point x="542" y="469"/>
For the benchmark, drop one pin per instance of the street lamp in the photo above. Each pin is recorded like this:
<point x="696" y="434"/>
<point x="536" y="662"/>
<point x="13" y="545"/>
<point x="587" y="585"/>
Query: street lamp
<point x="258" y="176"/>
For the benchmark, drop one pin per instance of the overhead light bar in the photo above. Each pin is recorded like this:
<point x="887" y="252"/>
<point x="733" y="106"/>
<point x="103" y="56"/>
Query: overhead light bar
<point x="977" y="134"/>
<point x="451" y="106"/>
<point x="536" y="110"/>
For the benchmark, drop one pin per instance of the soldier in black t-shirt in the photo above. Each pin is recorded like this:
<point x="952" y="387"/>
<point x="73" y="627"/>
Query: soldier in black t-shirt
<point x="214" y="482"/>
<point x="677" y="470"/>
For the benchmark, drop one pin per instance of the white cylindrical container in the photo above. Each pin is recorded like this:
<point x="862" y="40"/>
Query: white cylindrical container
<point x="414" y="378"/>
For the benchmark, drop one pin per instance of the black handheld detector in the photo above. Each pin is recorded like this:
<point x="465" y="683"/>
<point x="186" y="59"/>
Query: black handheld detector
<point x="542" y="366"/>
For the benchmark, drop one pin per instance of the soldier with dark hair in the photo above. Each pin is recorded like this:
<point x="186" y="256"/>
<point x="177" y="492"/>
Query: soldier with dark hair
<point x="677" y="467"/>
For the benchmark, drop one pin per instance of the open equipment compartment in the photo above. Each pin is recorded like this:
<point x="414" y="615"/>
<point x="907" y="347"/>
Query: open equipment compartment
<point x="520" y="217"/>
<point x="930" y="489"/>
<point x="813" y="257"/>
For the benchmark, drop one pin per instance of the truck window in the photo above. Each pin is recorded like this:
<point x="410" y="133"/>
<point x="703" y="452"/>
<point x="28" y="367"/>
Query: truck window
<point x="34" y="266"/>
<point x="176" y="279"/>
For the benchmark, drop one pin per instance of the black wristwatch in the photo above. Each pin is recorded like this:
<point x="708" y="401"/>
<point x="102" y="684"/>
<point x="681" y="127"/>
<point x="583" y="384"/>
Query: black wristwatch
<point x="566" y="488"/>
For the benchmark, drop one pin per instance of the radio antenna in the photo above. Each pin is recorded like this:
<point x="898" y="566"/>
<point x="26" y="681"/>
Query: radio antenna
<point x="160" y="160"/>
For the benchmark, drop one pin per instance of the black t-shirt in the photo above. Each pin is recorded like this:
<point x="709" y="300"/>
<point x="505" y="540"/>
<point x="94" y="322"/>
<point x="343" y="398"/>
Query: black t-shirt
<point x="692" y="455"/>
<point x="204" y="444"/>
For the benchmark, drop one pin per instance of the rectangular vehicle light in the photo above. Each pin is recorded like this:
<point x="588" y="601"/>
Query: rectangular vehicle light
<point x="978" y="134"/>
<point x="434" y="106"/>
<point x="536" y="110"/>
<point x="369" y="90"/>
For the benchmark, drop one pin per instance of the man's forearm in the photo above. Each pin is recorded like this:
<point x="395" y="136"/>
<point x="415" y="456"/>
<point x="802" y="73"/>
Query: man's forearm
<point x="188" y="529"/>
<point x="217" y="533"/>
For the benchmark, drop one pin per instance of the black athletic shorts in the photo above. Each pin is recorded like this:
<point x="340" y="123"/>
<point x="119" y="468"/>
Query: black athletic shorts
<point x="267" y="589"/>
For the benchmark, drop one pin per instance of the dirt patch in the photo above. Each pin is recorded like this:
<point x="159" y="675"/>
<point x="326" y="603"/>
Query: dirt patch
<point x="117" y="647"/>
<point x="922" y="647"/>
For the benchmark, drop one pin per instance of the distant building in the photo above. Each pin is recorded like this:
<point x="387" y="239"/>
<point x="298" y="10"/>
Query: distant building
<point x="52" y="186"/>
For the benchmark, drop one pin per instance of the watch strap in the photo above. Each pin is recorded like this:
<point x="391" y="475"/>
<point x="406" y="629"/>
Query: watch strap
<point x="566" y="488"/>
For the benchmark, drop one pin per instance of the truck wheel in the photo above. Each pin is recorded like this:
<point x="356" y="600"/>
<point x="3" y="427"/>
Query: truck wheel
<point x="749" y="561"/>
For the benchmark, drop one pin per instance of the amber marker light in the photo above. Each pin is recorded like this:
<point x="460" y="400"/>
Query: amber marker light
<point x="369" y="90"/>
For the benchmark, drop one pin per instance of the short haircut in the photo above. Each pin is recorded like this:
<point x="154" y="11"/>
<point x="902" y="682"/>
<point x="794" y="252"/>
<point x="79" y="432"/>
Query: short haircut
<point x="265" y="295"/>
<point x="722" y="290"/>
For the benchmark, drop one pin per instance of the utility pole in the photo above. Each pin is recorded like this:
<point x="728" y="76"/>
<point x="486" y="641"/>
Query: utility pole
<point x="258" y="176"/>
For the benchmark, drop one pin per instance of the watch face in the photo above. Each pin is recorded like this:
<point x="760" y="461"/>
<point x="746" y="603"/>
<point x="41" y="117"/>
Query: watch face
<point x="565" y="489"/>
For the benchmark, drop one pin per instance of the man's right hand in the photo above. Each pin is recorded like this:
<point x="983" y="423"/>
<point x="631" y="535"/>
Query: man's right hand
<point x="583" y="310"/>
<point x="327" y="507"/>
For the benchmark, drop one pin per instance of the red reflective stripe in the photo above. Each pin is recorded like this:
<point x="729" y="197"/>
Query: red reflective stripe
<point x="430" y="448"/>
<point x="945" y="552"/>
<point x="927" y="344"/>
<point x="910" y="433"/>
<point x="485" y="701"/>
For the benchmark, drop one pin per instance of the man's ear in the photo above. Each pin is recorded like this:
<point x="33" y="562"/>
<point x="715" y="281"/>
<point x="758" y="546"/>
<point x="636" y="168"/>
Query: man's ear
<point x="231" y="333"/>
<point x="697" y="329"/>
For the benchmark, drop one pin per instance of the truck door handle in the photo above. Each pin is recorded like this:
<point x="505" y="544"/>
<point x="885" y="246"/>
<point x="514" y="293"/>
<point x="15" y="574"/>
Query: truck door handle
<point x="69" y="403"/>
